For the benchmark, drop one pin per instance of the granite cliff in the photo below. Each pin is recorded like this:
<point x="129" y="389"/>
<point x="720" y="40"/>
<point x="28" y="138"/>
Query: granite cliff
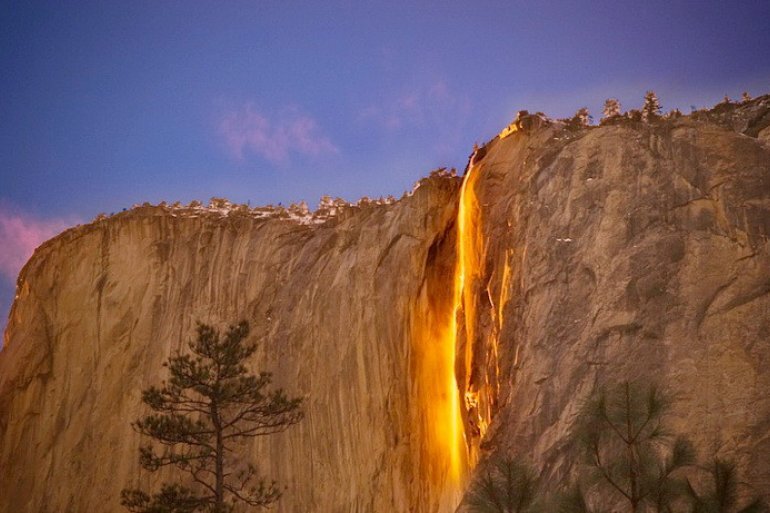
<point x="629" y="251"/>
<point x="425" y="334"/>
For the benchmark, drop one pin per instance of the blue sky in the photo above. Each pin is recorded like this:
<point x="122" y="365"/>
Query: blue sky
<point x="106" y="104"/>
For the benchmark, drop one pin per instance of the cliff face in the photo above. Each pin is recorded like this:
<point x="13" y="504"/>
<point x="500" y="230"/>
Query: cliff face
<point x="102" y="306"/>
<point x="585" y="257"/>
<point x="624" y="252"/>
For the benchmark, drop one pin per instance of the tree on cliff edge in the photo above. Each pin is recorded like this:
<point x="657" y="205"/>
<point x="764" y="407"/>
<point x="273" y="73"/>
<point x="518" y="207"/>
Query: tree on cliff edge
<point x="209" y="406"/>
<point x="651" y="108"/>
<point x="611" y="109"/>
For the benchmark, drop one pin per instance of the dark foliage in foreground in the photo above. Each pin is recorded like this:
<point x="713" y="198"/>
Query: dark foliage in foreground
<point x="630" y="459"/>
<point x="210" y="404"/>
<point x="504" y="486"/>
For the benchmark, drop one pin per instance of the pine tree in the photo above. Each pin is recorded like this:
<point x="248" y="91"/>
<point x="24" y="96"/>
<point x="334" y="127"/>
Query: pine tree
<point x="722" y="495"/>
<point x="210" y="405"/>
<point x="745" y="97"/>
<point x="503" y="486"/>
<point x="651" y="108"/>
<point x="582" y="118"/>
<point x="611" y="108"/>
<point x="630" y="456"/>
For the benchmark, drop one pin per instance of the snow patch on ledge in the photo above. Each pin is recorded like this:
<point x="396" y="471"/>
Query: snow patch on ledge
<point x="299" y="213"/>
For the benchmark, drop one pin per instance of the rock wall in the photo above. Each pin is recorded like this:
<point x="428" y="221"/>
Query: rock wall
<point x="628" y="251"/>
<point x="100" y="308"/>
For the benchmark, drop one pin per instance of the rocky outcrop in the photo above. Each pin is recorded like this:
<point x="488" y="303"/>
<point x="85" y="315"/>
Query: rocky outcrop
<point x="748" y="117"/>
<point x="594" y="255"/>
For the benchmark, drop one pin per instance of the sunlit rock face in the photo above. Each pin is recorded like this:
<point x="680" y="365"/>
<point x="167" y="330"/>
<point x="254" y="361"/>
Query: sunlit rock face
<point x="331" y="304"/>
<point x="628" y="251"/>
<point x="570" y="258"/>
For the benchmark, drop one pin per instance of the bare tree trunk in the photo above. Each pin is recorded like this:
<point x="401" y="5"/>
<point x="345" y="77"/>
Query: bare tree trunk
<point x="219" y="490"/>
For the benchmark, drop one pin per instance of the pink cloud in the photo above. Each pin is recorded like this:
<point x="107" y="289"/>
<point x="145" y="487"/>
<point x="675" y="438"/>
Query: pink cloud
<point x="247" y="130"/>
<point x="20" y="234"/>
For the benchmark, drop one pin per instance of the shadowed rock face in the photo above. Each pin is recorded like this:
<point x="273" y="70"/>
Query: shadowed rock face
<point x="625" y="251"/>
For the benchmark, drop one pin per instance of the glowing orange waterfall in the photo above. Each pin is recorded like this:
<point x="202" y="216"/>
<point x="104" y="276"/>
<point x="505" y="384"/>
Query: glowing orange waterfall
<point x="466" y="260"/>
<point x="444" y="330"/>
<point x="468" y="250"/>
<point x="469" y="254"/>
<point x="476" y="323"/>
<point x="438" y="415"/>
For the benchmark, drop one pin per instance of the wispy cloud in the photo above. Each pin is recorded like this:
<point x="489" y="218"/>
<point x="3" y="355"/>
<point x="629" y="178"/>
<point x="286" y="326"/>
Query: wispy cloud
<point x="247" y="130"/>
<point x="426" y="106"/>
<point x="431" y="111"/>
<point x="20" y="234"/>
